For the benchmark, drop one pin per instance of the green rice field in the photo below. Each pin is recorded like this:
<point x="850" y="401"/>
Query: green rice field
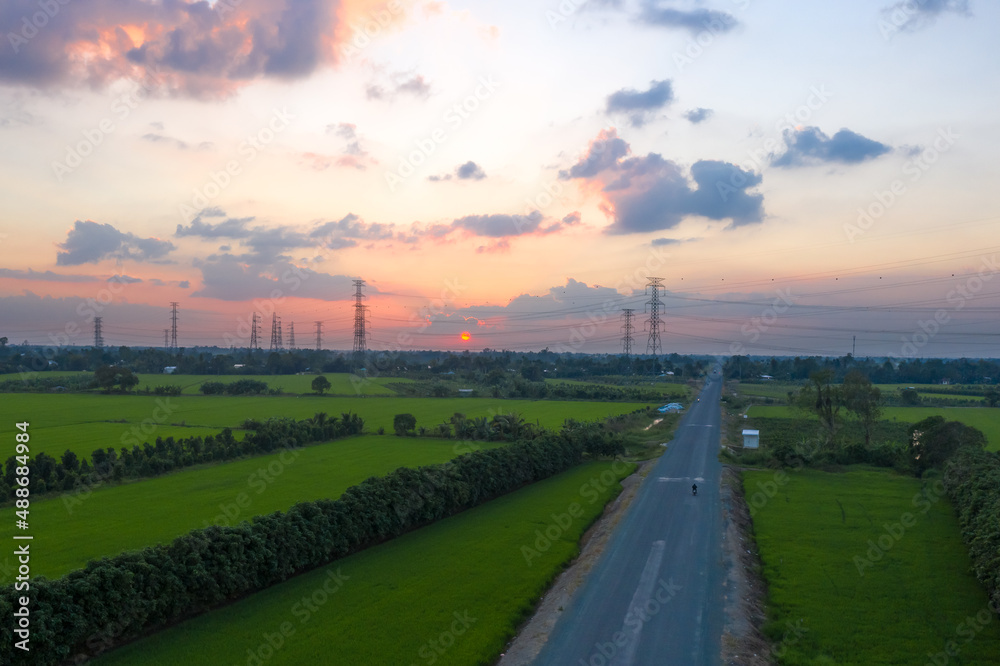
<point x="867" y="567"/>
<point x="450" y="593"/>
<point x="73" y="528"/>
<point x="84" y="422"/>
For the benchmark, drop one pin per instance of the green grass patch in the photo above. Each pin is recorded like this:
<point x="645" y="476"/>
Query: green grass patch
<point x="402" y="595"/>
<point x="94" y="420"/>
<point x="71" y="529"/>
<point x="986" y="419"/>
<point x="829" y="606"/>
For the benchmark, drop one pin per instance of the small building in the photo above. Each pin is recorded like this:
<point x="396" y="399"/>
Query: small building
<point x="465" y="393"/>
<point x="751" y="439"/>
<point x="169" y="370"/>
<point x="766" y="378"/>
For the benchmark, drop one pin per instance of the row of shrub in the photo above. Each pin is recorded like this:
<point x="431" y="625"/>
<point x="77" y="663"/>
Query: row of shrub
<point x="972" y="480"/>
<point x="239" y="387"/>
<point x="69" y="473"/>
<point x="119" y="598"/>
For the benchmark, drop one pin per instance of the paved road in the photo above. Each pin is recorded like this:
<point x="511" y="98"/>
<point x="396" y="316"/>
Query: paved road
<point x="656" y="595"/>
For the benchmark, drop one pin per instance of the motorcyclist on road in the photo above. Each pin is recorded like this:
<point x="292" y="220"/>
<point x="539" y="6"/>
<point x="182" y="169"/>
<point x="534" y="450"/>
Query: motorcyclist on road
<point x="694" y="488"/>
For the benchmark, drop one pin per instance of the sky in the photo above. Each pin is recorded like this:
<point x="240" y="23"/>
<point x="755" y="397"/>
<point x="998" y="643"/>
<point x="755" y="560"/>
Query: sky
<point x="805" y="180"/>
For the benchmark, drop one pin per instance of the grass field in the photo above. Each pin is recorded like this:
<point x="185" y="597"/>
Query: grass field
<point x="73" y="529"/>
<point x="817" y="536"/>
<point x="83" y="422"/>
<point x="986" y="419"/>
<point x="450" y="593"/>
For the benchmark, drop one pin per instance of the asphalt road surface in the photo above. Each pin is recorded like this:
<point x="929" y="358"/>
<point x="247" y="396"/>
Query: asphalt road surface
<point x="656" y="596"/>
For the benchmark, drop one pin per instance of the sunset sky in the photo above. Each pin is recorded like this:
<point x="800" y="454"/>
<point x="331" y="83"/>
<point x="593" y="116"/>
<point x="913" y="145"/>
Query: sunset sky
<point x="797" y="174"/>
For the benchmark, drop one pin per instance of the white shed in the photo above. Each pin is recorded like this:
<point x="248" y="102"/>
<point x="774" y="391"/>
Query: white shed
<point x="751" y="439"/>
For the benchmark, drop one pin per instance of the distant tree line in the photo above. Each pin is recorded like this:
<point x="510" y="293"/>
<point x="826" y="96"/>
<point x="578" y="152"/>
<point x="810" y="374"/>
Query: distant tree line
<point x="70" y="473"/>
<point x="116" y="599"/>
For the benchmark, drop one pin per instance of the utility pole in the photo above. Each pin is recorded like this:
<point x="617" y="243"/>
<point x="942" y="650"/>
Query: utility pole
<point x="319" y="335"/>
<point x="173" y="326"/>
<point x="627" y="328"/>
<point x="360" y="342"/>
<point x="654" y="303"/>
<point x="98" y="338"/>
<point x="854" y="347"/>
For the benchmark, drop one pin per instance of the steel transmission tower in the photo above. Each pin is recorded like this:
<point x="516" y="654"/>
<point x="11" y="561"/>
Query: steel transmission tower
<point x="98" y="338"/>
<point x="360" y="341"/>
<point x="291" y="336"/>
<point x="254" y="342"/>
<point x="319" y="335"/>
<point x="627" y="328"/>
<point x="275" y="332"/>
<point x="173" y="325"/>
<point x="166" y="338"/>
<point x="654" y="303"/>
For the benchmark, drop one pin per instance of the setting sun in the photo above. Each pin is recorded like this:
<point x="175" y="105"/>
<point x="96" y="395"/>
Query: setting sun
<point x="465" y="335"/>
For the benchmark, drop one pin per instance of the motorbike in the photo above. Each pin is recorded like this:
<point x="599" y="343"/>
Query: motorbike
<point x="694" y="490"/>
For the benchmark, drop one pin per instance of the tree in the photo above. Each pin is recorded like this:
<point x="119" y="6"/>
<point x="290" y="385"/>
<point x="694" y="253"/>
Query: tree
<point x="910" y="396"/>
<point x="822" y="398"/>
<point x="863" y="400"/>
<point x="992" y="397"/>
<point x="934" y="440"/>
<point x="404" y="424"/>
<point x="321" y="384"/>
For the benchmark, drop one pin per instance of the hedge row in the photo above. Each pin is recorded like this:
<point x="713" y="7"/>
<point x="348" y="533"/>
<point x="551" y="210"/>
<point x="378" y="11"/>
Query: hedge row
<point x="116" y="599"/>
<point x="972" y="480"/>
